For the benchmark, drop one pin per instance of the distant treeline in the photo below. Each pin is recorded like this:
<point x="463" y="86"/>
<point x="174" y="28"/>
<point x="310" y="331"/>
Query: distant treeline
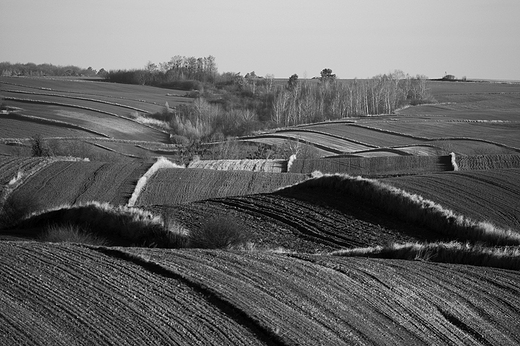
<point x="304" y="102"/>
<point x="186" y="73"/>
<point x="31" y="69"/>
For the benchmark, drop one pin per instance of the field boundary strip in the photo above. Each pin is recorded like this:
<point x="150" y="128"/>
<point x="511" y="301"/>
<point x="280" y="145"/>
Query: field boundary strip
<point x="76" y="92"/>
<point x="82" y="107"/>
<point x="227" y="307"/>
<point x="78" y="98"/>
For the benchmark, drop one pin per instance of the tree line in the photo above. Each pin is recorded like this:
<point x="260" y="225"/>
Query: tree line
<point x="329" y="99"/>
<point x="30" y="69"/>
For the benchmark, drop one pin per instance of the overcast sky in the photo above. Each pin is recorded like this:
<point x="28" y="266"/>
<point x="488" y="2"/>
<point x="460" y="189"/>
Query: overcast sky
<point x="354" y="38"/>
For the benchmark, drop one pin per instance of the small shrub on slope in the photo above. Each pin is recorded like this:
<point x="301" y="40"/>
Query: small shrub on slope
<point x="219" y="233"/>
<point x="71" y="234"/>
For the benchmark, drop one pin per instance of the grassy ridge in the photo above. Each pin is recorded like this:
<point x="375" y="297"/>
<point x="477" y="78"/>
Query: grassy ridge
<point x="507" y="257"/>
<point x="118" y="225"/>
<point x="413" y="208"/>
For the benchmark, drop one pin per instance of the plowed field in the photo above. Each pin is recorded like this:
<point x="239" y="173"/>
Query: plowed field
<point x="487" y="162"/>
<point x="364" y="135"/>
<point x="482" y="195"/>
<point x="150" y="98"/>
<point x="90" y="119"/>
<point x="10" y="166"/>
<point x="75" y="182"/>
<point x="65" y="295"/>
<point x="14" y="126"/>
<point x="171" y="185"/>
<point x="503" y="133"/>
<point x="71" y="295"/>
<point x="304" y="221"/>
<point x="374" y="166"/>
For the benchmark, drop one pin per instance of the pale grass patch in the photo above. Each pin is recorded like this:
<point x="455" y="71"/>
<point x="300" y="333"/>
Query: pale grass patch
<point x="506" y="257"/>
<point x="16" y="178"/>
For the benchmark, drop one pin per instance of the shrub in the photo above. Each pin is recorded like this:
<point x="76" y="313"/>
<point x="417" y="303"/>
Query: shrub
<point x="71" y="234"/>
<point x="219" y="233"/>
<point x="40" y="147"/>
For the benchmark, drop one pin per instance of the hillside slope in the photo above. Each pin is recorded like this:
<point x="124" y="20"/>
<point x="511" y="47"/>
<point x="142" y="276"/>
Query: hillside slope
<point x="72" y="295"/>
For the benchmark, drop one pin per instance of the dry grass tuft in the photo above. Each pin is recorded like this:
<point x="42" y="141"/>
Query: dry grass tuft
<point x="71" y="234"/>
<point x="506" y="257"/>
<point x="220" y="233"/>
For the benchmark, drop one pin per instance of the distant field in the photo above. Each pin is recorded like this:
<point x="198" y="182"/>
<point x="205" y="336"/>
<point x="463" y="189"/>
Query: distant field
<point x="14" y="126"/>
<point x="502" y="133"/>
<point x="89" y="119"/>
<point x="99" y="107"/>
<point x="145" y="96"/>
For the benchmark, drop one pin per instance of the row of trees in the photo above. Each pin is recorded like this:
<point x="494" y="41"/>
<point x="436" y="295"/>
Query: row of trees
<point x="31" y="69"/>
<point x="180" y="72"/>
<point x="304" y="102"/>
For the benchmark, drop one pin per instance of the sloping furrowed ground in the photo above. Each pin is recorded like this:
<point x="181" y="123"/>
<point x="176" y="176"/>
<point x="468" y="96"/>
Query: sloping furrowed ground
<point x="56" y="294"/>
<point x="63" y="183"/>
<point x="485" y="195"/>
